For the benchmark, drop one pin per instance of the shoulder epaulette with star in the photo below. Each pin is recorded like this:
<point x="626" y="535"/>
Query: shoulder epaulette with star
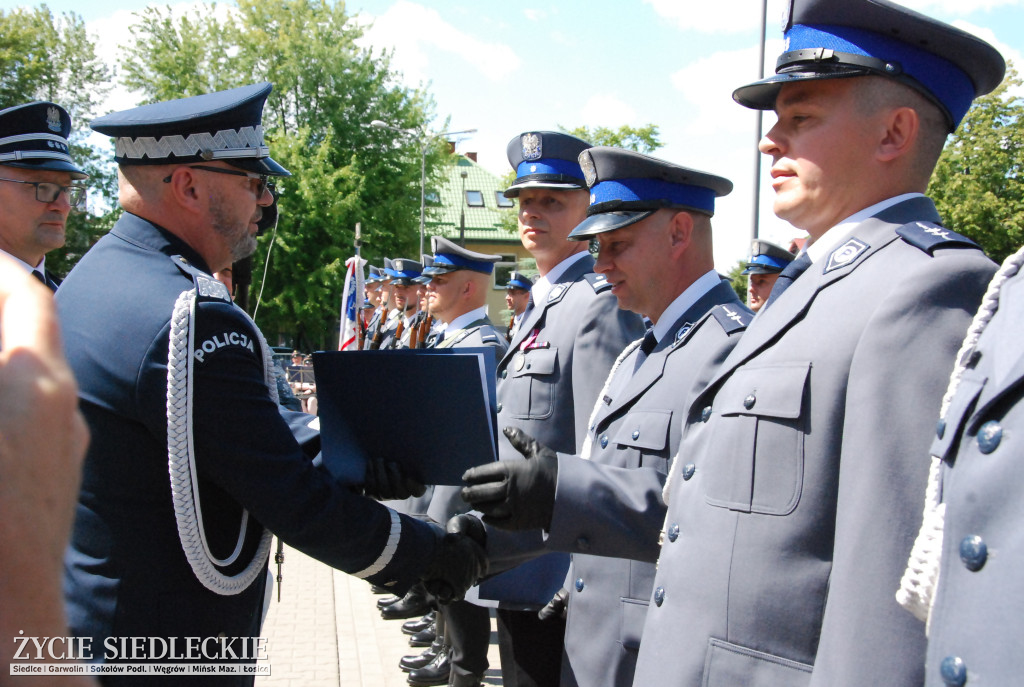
<point x="928" y="236"/>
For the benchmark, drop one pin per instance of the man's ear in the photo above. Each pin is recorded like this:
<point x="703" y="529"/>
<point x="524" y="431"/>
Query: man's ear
<point x="680" y="233"/>
<point x="902" y="127"/>
<point x="184" y="190"/>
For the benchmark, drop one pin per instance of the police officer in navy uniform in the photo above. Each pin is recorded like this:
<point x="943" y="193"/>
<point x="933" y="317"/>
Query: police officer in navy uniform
<point x="652" y="220"/>
<point x="794" y="526"/>
<point x="36" y="193"/>
<point x="767" y="260"/>
<point x="548" y="382"/>
<point x="192" y="464"/>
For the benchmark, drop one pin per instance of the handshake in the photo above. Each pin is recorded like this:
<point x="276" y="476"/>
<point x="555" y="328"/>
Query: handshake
<point x="513" y="495"/>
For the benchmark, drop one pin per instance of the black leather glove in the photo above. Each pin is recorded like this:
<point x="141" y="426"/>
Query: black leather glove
<point x="385" y="481"/>
<point x="457" y="563"/>
<point x="515" y="494"/>
<point x="557" y="607"/>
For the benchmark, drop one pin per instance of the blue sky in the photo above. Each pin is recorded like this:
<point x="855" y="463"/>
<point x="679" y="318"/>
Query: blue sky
<point x="503" y="68"/>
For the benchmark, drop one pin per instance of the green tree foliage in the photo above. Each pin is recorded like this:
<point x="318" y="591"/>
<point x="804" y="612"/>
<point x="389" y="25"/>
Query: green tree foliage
<point x="43" y="57"/>
<point x="326" y="91"/>
<point x="643" y="139"/>
<point x="738" y="280"/>
<point x="978" y="184"/>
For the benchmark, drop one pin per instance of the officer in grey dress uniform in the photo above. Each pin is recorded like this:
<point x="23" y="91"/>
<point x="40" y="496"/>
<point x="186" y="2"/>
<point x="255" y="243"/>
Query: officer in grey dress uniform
<point x="36" y="193"/>
<point x="548" y="382"/>
<point x="970" y="541"/>
<point x="192" y="463"/>
<point x="404" y="299"/>
<point x="652" y="220"/>
<point x="798" y="489"/>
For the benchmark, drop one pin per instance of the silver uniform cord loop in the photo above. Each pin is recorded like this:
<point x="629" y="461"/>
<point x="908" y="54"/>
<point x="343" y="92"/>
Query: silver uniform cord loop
<point x="181" y="459"/>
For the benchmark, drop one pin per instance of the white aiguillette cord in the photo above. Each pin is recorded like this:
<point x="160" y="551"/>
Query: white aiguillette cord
<point x="181" y="459"/>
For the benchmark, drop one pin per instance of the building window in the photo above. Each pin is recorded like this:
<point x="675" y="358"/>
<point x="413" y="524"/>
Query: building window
<point x="503" y="270"/>
<point x="474" y="199"/>
<point x="502" y="201"/>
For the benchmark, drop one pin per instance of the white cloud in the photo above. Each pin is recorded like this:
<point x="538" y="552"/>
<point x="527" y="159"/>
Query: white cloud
<point x="409" y="28"/>
<point x="607" y="110"/>
<point x="722" y="16"/>
<point x="535" y="15"/>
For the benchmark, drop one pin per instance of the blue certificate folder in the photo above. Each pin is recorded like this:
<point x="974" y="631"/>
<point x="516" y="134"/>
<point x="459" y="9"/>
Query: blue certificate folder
<point x="430" y="410"/>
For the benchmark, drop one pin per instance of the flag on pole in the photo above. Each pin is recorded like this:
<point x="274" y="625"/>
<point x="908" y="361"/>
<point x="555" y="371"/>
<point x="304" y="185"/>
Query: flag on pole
<point x="351" y="304"/>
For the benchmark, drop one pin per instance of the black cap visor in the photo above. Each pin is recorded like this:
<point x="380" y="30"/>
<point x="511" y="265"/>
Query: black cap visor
<point x="607" y="221"/>
<point x="761" y="95"/>
<point x="49" y="165"/>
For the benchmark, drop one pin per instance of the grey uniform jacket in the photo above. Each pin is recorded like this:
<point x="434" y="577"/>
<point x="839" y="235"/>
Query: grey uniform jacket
<point x="445" y="501"/>
<point x="548" y="382"/>
<point x="611" y="505"/>
<point x="978" y="616"/>
<point x="807" y="460"/>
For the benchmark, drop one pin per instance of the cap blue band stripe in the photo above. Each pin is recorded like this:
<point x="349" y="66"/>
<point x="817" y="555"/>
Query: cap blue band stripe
<point x="549" y="166"/>
<point x="945" y="81"/>
<point x="696" y="197"/>
<point x="768" y="261"/>
<point x="444" y="259"/>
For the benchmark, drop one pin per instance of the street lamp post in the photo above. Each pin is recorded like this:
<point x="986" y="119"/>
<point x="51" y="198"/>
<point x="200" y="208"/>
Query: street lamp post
<point x="462" y="210"/>
<point x="426" y="138"/>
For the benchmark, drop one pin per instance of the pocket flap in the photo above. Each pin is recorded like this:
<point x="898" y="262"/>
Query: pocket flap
<point x="775" y="391"/>
<point x="960" y="408"/>
<point x="646" y="430"/>
<point x="536" y="361"/>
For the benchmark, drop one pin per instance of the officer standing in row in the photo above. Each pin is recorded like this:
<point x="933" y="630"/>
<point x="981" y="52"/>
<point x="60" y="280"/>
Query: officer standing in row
<point x="36" y="193"/>
<point x="517" y="298"/>
<point x="798" y="492"/>
<point x="405" y="299"/>
<point x="767" y="260"/>
<point x="175" y="379"/>
<point x="652" y="221"/>
<point x="548" y="382"/>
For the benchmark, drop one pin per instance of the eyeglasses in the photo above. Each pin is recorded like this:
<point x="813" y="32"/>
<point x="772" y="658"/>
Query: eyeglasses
<point x="261" y="185"/>
<point x="47" y="192"/>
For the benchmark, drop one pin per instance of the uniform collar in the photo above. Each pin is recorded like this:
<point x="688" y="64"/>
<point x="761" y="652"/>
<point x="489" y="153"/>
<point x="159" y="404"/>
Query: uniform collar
<point x="465" y="319"/>
<point x="684" y="302"/>
<point x="146" y="234"/>
<point x="543" y="285"/>
<point x="41" y="267"/>
<point x="831" y="238"/>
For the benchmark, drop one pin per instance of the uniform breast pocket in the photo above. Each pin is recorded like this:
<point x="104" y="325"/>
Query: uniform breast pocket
<point x="534" y="374"/>
<point x="756" y="463"/>
<point x="645" y="433"/>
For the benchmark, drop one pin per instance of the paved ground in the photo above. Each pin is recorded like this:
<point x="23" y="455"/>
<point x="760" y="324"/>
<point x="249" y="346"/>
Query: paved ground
<point x="327" y="632"/>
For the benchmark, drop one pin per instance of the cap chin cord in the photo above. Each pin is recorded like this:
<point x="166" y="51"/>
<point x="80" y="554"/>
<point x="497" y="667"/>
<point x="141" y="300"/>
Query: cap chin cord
<point x="181" y="462"/>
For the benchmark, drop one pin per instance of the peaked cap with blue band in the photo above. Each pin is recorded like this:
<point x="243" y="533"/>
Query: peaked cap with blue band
<point x="546" y="159"/>
<point x="35" y="136"/>
<point x="425" y="261"/>
<point x="226" y="125"/>
<point x="518" y="280"/>
<point x="828" y="39"/>
<point x="374" y="275"/>
<point x="404" y="271"/>
<point x="626" y="187"/>
<point x="767" y="258"/>
<point x="451" y="257"/>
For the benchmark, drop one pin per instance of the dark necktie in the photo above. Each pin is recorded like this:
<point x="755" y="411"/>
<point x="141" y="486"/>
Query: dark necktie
<point x="43" y="280"/>
<point x="649" y="342"/>
<point x="788" y="276"/>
